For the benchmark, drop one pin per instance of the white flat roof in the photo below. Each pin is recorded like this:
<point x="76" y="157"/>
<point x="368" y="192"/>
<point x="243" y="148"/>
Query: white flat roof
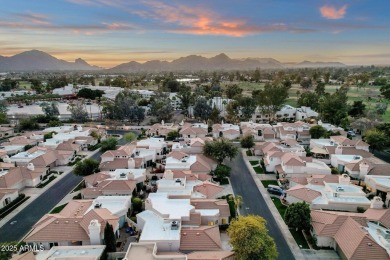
<point x="173" y="208"/>
<point x="156" y="229"/>
<point x="71" y="252"/>
<point x="379" y="180"/>
<point x="137" y="173"/>
<point x="114" y="204"/>
<point x="347" y="157"/>
<point x="11" y="147"/>
<point x="26" y="155"/>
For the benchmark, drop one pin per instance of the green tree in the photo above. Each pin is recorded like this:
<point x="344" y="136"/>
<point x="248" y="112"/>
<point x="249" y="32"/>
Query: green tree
<point x="232" y="91"/>
<point x="185" y="97"/>
<point x="256" y="76"/>
<point x="250" y="239"/>
<point x="357" y="109"/>
<point x="78" y="111"/>
<point x="247" y="142"/>
<point x="306" y="83"/>
<point x="220" y="149"/>
<point x="28" y="124"/>
<point x="137" y="204"/>
<point x="272" y="98"/>
<point x="172" y="135"/>
<point x="129" y="137"/>
<point x="320" y="89"/>
<point x="309" y="99"/>
<point x="222" y="171"/>
<point x="50" y="109"/>
<point x="247" y="107"/>
<point x="376" y="139"/>
<point x="202" y="109"/>
<point x="108" y="144"/>
<point x="90" y="93"/>
<point x="298" y="216"/>
<point x="385" y="91"/>
<point x="170" y="85"/>
<point x="161" y="107"/>
<point x="333" y="107"/>
<point x="109" y="238"/>
<point x="317" y="132"/>
<point x="86" y="167"/>
<point x="214" y="116"/>
<point x="232" y="110"/>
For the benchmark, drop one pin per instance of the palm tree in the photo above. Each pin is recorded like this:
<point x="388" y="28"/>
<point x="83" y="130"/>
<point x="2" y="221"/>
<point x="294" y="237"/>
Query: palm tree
<point x="238" y="201"/>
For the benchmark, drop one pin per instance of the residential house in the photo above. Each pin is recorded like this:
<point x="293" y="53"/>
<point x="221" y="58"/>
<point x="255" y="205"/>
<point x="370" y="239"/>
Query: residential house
<point x="7" y="196"/>
<point x="282" y="146"/>
<point x="6" y="131"/>
<point x="290" y="164"/>
<point x="156" y="147"/>
<point x="367" y="166"/>
<point x="162" y="129"/>
<point x="22" y="176"/>
<point x="194" y="130"/>
<point x="197" y="163"/>
<point x="193" y="146"/>
<point x="380" y="186"/>
<point x="228" y="131"/>
<point x="298" y="131"/>
<point x="260" y="132"/>
<point x="353" y="235"/>
<point x="80" y="223"/>
<point x="342" y="196"/>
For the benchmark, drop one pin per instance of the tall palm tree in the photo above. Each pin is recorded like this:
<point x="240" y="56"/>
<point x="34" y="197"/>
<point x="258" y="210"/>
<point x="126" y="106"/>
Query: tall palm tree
<point x="238" y="201"/>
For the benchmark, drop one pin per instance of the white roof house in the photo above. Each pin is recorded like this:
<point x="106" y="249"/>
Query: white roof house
<point x="128" y="174"/>
<point x="25" y="157"/>
<point x="117" y="205"/>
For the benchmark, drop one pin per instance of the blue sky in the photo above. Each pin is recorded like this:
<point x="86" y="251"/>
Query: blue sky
<point x="110" y="32"/>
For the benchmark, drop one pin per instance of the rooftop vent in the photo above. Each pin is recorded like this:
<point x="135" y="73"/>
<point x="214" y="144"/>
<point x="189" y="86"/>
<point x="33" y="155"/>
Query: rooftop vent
<point x="123" y="175"/>
<point x="178" y="180"/>
<point x="174" y="225"/>
<point x="340" y="188"/>
<point x="98" y="205"/>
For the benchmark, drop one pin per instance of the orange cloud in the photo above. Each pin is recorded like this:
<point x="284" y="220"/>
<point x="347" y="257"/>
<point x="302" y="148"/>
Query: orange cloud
<point x="331" y="12"/>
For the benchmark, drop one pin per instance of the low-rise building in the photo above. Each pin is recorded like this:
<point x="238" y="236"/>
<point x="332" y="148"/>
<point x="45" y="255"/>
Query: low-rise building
<point x="192" y="146"/>
<point x="22" y="176"/>
<point x="7" y="196"/>
<point x="194" y="130"/>
<point x="228" y="131"/>
<point x="260" y="132"/>
<point x="197" y="163"/>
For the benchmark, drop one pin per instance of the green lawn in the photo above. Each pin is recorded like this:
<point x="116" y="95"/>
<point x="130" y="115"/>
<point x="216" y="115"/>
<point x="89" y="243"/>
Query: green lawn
<point x="281" y="208"/>
<point x="300" y="239"/>
<point x="258" y="169"/>
<point x="58" y="209"/>
<point x="269" y="182"/>
<point x="254" y="162"/>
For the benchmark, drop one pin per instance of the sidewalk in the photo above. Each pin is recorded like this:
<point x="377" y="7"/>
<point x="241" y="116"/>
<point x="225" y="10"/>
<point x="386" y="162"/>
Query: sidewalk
<point x="36" y="192"/>
<point x="280" y="222"/>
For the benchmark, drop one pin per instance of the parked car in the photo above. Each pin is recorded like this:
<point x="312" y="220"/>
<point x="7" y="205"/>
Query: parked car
<point x="351" y="133"/>
<point x="276" y="190"/>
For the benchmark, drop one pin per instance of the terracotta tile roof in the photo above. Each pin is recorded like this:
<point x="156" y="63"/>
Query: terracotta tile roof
<point x="291" y="159"/>
<point x="185" y="174"/>
<point x="231" y="131"/>
<point x="102" y="215"/>
<point x="303" y="193"/>
<point x="75" y="208"/>
<point x="58" y="229"/>
<point x="63" y="154"/>
<point x="125" y="150"/>
<point x="25" y="256"/>
<point x="117" y="185"/>
<point x="210" y="255"/>
<point x="289" y="142"/>
<point x="138" y="162"/>
<point x="327" y="223"/>
<point x="354" y="166"/>
<point x="4" y="192"/>
<point x="342" y="140"/>
<point x="20" y="140"/>
<point x="220" y="204"/>
<point x="93" y="179"/>
<point x="18" y="174"/>
<point x="208" y="189"/>
<point x="330" y="149"/>
<point x="299" y="180"/>
<point x="68" y="146"/>
<point x="201" y="238"/>
<point x="354" y="151"/>
<point x="356" y="243"/>
<point x="268" y="131"/>
<point x="193" y="131"/>
<point x="320" y="179"/>
<point x="217" y="127"/>
<point x="202" y="164"/>
<point x="45" y="159"/>
<point x="120" y="163"/>
<point x="197" y="142"/>
<point x="195" y="219"/>
<point x="381" y="215"/>
<point x="178" y="155"/>
<point x="4" y="165"/>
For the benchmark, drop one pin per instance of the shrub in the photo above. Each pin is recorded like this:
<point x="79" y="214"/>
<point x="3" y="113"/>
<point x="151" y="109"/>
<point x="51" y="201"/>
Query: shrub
<point x="360" y="210"/>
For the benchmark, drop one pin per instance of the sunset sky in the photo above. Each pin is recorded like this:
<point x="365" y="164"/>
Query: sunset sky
<point x="110" y="32"/>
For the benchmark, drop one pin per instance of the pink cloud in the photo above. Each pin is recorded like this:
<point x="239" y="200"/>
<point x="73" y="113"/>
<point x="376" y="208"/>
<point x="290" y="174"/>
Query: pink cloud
<point x="331" y="12"/>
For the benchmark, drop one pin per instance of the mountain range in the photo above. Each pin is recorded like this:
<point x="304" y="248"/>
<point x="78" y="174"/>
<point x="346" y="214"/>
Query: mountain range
<point x="35" y="60"/>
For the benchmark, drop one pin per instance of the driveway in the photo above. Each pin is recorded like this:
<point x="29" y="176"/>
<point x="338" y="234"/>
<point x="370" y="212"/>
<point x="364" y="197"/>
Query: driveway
<point x="254" y="203"/>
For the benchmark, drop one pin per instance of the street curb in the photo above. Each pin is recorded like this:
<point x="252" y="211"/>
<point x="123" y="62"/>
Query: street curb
<point x="280" y="222"/>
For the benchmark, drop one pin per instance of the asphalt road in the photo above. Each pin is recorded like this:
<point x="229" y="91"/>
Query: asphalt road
<point x="27" y="217"/>
<point x="254" y="203"/>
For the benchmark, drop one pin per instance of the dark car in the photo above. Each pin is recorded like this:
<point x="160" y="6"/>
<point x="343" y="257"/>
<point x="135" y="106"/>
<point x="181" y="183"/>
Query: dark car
<point x="275" y="190"/>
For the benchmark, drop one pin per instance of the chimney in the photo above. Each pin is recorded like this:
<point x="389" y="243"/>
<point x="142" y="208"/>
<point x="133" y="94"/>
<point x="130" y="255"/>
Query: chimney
<point x="363" y="168"/>
<point x="94" y="232"/>
<point x="168" y="175"/>
<point x="30" y="166"/>
<point x="376" y="203"/>
<point x="344" y="179"/>
<point x="131" y="163"/>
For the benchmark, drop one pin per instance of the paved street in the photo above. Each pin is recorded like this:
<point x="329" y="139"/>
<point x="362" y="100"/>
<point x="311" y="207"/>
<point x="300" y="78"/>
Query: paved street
<point x="253" y="203"/>
<point x="27" y="217"/>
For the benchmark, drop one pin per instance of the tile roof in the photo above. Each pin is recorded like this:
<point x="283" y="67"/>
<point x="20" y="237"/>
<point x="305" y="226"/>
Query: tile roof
<point x="195" y="219"/>
<point x="380" y="215"/>
<point x="210" y="255"/>
<point x="320" y="179"/>
<point x="4" y="192"/>
<point x="356" y="243"/>
<point x="303" y="193"/>
<point x="93" y="179"/>
<point x="68" y="146"/>
<point x="120" y="163"/>
<point x="208" y="189"/>
<point x="220" y="204"/>
<point x="200" y="238"/>
<point x="291" y="159"/>
<point x="299" y="180"/>
<point x="45" y="159"/>
<point x="178" y="155"/>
